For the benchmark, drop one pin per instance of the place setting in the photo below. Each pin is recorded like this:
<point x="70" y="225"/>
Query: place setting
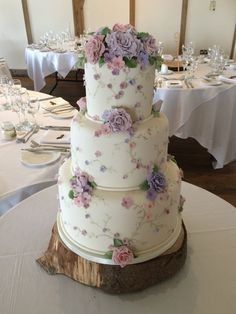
<point x="46" y="149"/>
<point x="57" y="108"/>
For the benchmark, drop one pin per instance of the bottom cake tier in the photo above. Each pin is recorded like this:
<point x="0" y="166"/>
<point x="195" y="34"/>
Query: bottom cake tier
<point x="120" y="227"/>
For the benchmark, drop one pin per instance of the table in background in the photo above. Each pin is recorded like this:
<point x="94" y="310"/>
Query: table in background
<point x="206" y="113"/>
<point x="18" y="181"/>
<point x="206" y="284"/>
<point x="43" y="63"/>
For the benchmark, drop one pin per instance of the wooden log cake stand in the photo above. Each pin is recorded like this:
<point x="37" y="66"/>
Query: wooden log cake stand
<point x="58" y="259"/>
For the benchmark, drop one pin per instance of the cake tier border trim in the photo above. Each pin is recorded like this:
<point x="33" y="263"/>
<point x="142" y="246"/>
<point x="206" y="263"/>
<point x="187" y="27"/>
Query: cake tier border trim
<point x="99" y="258"/>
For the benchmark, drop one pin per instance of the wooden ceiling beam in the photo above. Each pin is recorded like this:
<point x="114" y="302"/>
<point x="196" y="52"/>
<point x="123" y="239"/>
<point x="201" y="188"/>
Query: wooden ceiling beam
<point x="27" y="21"/>
<point x="183" y="24"/>
<point x="132" y="12"/>
<point x="78" y="15"/>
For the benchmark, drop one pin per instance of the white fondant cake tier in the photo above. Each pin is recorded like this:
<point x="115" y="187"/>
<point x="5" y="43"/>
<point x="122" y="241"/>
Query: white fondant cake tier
<point x="131" y="89"/>
<point x="150" y="227"/>
<point x="119" y="160"/>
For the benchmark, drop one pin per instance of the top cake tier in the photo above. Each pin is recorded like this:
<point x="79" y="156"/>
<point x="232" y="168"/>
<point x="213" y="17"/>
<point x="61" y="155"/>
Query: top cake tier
<point x="131" y="89"/>
<point x="119" y="67"/>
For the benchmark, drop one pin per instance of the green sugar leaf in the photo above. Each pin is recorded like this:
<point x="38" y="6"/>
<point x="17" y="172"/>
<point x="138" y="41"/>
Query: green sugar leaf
<point x="130" y="63"/>
<point x="144" y="186"/>
<point x="108" y="255"/>
<point x="105" y="31"/>
<point x="101" y="61"/>
<point x="142" y="35"/>
<point x="71" y="194"/>
<point x="118" y="242"/>
<point x="155" y="168"/>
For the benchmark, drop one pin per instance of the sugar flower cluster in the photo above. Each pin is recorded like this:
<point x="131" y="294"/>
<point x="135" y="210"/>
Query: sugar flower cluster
<point x="115" y="120"/>
<point x="155" y="183"/>
<point x="122" y="45"/>
<point x="81" y="188"/>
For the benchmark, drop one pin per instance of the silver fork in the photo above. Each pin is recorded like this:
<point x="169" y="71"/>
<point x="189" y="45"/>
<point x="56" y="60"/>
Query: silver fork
<point x="28" y="135"/>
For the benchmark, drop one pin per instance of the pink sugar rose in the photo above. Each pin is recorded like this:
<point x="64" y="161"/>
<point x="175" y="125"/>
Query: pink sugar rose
<point x="94" y="49"/>
<point x="127" y="202"/>
<point x="105" y="129"/>
<point x="122" y="256"/>
<point x="116" y="63"/>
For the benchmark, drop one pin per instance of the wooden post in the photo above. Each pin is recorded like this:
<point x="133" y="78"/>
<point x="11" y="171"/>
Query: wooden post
<point x="132" y="12"/>
<point x="78" y="14"/>
<point x="27" y="21"/>
<point x="183" y="24"/>
<point x="233" y="44"/>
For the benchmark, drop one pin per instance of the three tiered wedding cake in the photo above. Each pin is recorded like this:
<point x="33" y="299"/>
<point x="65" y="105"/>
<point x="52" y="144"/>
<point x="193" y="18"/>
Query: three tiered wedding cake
<point x="119" y="192"/>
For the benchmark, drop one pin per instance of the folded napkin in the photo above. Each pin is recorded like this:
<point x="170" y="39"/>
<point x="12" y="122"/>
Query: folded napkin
<point x="228" y="79"/>
<point x="54" y="103"/>
<point x="168" y="57"/>
<point x="55" y="137"/>
<point x="174" y="84"/>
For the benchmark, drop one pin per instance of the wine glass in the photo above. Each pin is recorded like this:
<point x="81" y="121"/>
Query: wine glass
<point x="33" y="108"/>
<point x="5" y="85"/>
<point x="16" y="83"/>
<point x="16" y="106"/>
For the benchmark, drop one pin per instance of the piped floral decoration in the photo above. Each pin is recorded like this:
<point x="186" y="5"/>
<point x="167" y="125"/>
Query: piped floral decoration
<point x="155" y="183"/>
<point x="82" y="186"/>
<point x="121" y="252"/>
<point x="122" y="45"/>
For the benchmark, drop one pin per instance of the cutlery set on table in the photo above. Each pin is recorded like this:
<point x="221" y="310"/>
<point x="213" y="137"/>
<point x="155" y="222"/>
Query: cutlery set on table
<point x="53" y="144"/>
<point x="55" y="141"/>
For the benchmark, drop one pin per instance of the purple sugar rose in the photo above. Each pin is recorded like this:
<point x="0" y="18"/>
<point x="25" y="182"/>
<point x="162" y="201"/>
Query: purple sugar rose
<point x="143" y="59"/>
<point x="123" y="28"/>
<point x="118" y="119"/>
<point x="156" y="181"/>
<point x="149" y="45"/>
<point x="94" y="49"/>
<point x="81" y="184"/>
<point x="123" y="44"/>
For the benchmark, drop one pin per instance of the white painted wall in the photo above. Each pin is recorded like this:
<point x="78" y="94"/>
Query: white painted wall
<point x="160" y="18"/>
<point x="99" y="13"/>
<point x="46" y="15"/>
<point x="206" y="28"/>
<point x="12" y="33"/>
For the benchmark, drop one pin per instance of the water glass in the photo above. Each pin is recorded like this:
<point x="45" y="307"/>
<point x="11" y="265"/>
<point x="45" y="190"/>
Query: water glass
<point x="32" y="109"/>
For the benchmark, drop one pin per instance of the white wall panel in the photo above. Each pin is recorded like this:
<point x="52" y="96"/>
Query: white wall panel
<point x="105" y="13"/>
<point x="207" y="28"/>
<point x="46" y="15"/>
<point x="12" y="33"/>
<point x="161" y="19"/>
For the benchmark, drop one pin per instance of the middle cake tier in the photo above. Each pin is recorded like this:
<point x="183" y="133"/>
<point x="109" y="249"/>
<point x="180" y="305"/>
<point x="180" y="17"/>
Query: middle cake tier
<point x="119" y="160"/>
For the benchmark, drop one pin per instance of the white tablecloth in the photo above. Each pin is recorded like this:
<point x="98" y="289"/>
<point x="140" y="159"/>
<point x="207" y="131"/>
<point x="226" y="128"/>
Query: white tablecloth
<point x="41" y="64"/>
<point x="206" y="113"/>
<point x="18" y="181"/>
<point x="205" y="285"/>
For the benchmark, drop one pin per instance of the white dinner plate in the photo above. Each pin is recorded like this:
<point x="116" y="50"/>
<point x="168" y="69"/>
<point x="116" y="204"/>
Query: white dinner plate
<point x="39" y="159"/>
<point x="214" y="83"/>
<point x="168" y="73"/>
<point x="63" y="115"/>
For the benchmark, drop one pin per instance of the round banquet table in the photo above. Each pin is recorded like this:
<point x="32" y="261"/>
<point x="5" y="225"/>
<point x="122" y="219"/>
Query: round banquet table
<point x="206" y="284"/>
<point x="18" y="181"/>
<point x="205" y="113"/>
